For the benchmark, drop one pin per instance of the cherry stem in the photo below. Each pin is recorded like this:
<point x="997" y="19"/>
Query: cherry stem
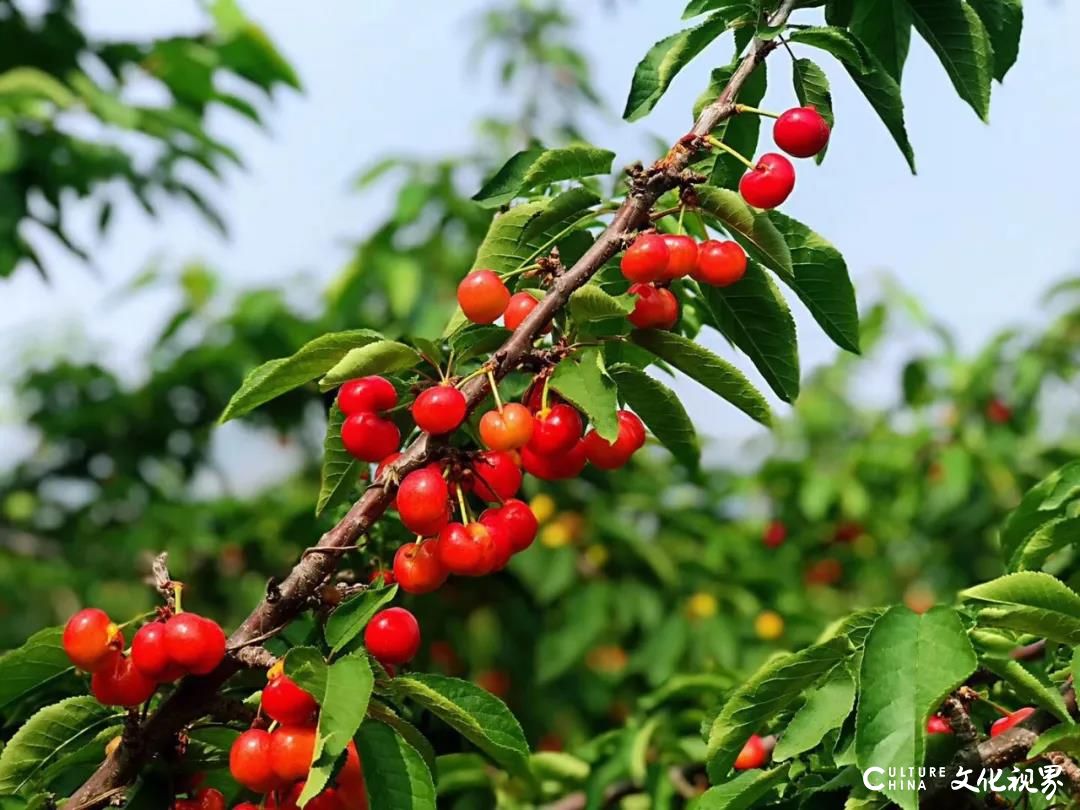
<point x="472" y="375"/>
<point x="544" y="396"/>
<point x="495" y="390"/>
<point x="178" y="590"/>
<point x="997" y="707"/>
<point x="731" y="151"/>
<point x="682" y="211"/>
<point x="745" y="108"/>
<point x="464" y="506"/>
<point x="419" y="539"/>
<point x="519" y="270"/>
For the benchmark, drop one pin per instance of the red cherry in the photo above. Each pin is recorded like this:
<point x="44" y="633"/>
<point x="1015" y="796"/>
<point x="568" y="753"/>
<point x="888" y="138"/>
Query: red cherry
<point x="440" y="409"/>
<point x="459" y="552"/>
<point x="498" y="542"/>
<point x="249" y="761"/>
<point x="682" y="255"/>
<point x="284" y="701"/>
<point x="1010" y="720"/>
<point x="194" y="642"/>
<point x="393" y="636"/>
<point x="90" y="638"/>
<point x="521" y="304"/>
<point x="646" y="259"/>
<point x="350" y="782"/>
<point x="770" y="183"/>
<point x="366" y="395"/>
<point x="329" y="799"/>
<point x="118" y="683"/>
<point x="150" y="654"/>
<point x="508" y="429"/>
<point x="655" y="308"/>
<point x="558" y="467"/>
<point x="423" y="501"/>
<point x="417" y="568"/>
<point x="382" y="578"/>
<point x="482" y="296"/>
<point x="386" y="462"/>
<point x="753" y="754"/>
<point x="369" y="437"/>
<point x="291" y="749"/>
<point x="556" y="431"/>
<point x="801" y="132"/>
<point x="516" y="520"/>
<point x="775" y="534"/>
<point x="246" y="806"/>
<point x="496" y="476"/>
<point x="720" y="263"/>
<point x="612" y="455"/>
<point x="998" y="412"/>
<point x="937" y="724"/>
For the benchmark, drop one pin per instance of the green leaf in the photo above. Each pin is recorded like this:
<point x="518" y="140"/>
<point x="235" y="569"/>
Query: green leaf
<point x="382" y="713"/>
<point x="813" y="90"/>
<point x="29" y="81"/>
<point x="768" y="691"/>
<point x="274" y="378"/>
<point x="37" y="663"/>
<point x="540" y="167"/>
<point x="742" y="792"/>
<point x="1065" y="738"/>
<point x="584" y="381"/>
<point x="1030" y="602"/>
<point x="1044" y="502"/>
<point x="713" y="372"/>
<point x="382" y="357"/>
<point x="478" y="340"/>
<point x="820" y="279"/>
<point x="884" y="27"/>
<point x="826" y="708"/>
<point x="911" y="663"/>
<point x="956" y="34"/>
<point x="751" y="9"/>
<point x="753" y="315"/>
<point x="879" y="88"/>
<point x="1050" y="537"/>
<point x="475" y="713"/>
<point x="395" y="774"/>
<point x="1004" y="19"/>
<point x="751" y="228"/>
<point x="740" y="132"/>
<point x="49" y="735"/>
<point x="590" y="303"/>
<point x="1028" y="686"/>
<point x="307" y="667"/>
<point x="666" y="58"/>
<point x="660" y="410"/>
<point x="338" y="467"/>
<point x="351" y="616"/>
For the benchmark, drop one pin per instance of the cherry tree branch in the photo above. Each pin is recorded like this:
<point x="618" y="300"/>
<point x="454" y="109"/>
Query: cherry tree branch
<point x="293" y="595"/>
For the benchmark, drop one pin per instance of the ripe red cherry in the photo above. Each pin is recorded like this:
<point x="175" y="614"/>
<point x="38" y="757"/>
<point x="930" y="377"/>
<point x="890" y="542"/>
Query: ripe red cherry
<point x="366" y="395"/>
<point x="682" y="255"/>
<point x="440" y="409"/>
<point x="1010" y="720"/>
<point x="775" y="534"/>
<point x="612" y="455"/>
<point x="329" y="799"/>
<point x="249" y="761"/>
<point x="482" y="296"/>
<point x="558" y="467"/>
<point x="417" y="568"/>
<point x="936" y="724"/>
<point x="508" y="429"/>
<point x="369" y="437"/>
<point x="393" y="636"/>
<point x="118" y="683"/>
<point x="517" y="520"/>
<point x="284" y="701"/>
<point x="753" y="754"/>
<point x="720" y="263"/>
<point x="801" y="132"/>
<point x="423" y="501"/>
<point x="459" y="552"/>
<point x="496" y="476"/>
<point x="350" y="782"/>
<point x="496" y="541"/>
<point x="521" y="304"/>
<point x="646" y="259"/>
<point x="194" y="642"/>
<point x="770" y="183"/>
<point x="382" y="578"/>
<point x="89" y="639"/>
<point x="998" y="412"/>
<point x="150" y="654"/>
<point x="205" y="799"/>
<point x="557" y="430"/>
<point x="291" y="749"/>
<point x="655" y="308"/>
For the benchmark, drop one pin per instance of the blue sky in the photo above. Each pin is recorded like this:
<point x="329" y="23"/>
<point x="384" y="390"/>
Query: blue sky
<point x="984" y="228"/>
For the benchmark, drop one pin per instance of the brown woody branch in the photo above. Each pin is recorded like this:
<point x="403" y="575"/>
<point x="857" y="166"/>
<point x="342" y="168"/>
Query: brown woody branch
<point x="293" y="595"/>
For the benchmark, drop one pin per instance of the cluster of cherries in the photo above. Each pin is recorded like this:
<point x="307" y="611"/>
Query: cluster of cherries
<point x="802" y="133"/>
<point x="161" y="652"/>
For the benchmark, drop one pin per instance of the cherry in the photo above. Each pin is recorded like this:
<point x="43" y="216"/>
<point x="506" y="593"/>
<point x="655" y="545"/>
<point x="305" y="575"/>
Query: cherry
<point x="937" y="724"/>
<point x="498" y="541"/>
<point x="291" y="750"/>
<point x="558" y="467"/>
<point x="646" y="259"/>
<point x="801" y="132"/>
<point x="369" y="437"/>
<point x="998" y="412"/>
<point x="1010" y="720"/>
<point x="752" y="755"/>
<point x="516" y="520"/>
<point x="90" y="638"/>
<point x="496" y="476"/>
<point x="612" y="455"/>
<point x="482" y="296"/>
<point x="366" y="395"/>
<point x="720" y="263"/>
<point x="775" y="534"/>
<point x="521" y="304"/>
<point x="556" y="430"/>
<point x="382" y="578"/>
<point x="423" y="501"/>
<point x="150" y="654"/>
<point x="440" y="409"/>
<point x="205" y="799"/>
<point x="770" y="183"/>
<point x="194" y="642"/>
<point x="350" y="781"/>
<point x="329" y="799"/>
<point x="284" y="701"/>
<point x="507" y="429"/>
<point x="118" y="683"/>
<point x="393" y="636"/>
<point x="462" y="551"/>
<point x="682" y="255"/>
<point x="655" y="308"/>
<point x="249" y="761"/>
<point x="417" y="568"/>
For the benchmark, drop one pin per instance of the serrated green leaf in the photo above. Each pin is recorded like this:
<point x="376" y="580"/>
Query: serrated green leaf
<point x="1051" y="536"/>
<point x="384" y="714"/>
<point x="1030" y="602"/>
<point x="742" y="792"/>
<point x="713" y="372"/>
<point x="381" y="357"/>
<point x="1004" y="20"/>
<point x="813" y="90"/>
<point x="911" y="663"/>
<point x="752" y="229"/>
<point x="476" y="341"/>
<point x="590" y="303"/>
<point x="395" y="774"/>
<point x="338" y="468"/>
<point x="884" y="27"/>
<point x="351" y="616"/>
<point x="275" y="377"/>
<point x="660" y="410"/>
<point x="583" y="380"/>
<point x="39" y="662"/>
<point x="307" y="667"/>
<point x="826" y="708"/>
<point x="540" y="167"/>
<point x="750" y="9"/>
<point x="1065" y="738"/>
<point x="1028" y="686"/>
<point x="1043" y="503"/>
